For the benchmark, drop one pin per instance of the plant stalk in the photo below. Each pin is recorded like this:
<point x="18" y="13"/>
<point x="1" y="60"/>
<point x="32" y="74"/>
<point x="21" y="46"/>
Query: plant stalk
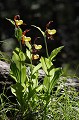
<point x="46" y="45"/>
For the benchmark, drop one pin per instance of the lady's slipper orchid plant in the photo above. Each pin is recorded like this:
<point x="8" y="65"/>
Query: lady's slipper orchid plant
<point x="33" y="97"/>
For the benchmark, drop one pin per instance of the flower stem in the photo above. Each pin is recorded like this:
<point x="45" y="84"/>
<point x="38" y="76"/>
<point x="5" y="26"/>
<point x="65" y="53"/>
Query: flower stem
<point x="20" y="59"/>
<point x="46" y="45"/>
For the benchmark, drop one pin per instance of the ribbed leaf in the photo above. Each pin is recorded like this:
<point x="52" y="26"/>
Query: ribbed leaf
<point x="36" y="68"/>
<point x="55" y="52"/>
<point x="42" y="60"/>
<point x="56" y="76"/>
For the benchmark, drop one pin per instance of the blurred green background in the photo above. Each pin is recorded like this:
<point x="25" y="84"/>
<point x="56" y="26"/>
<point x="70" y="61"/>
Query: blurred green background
<point x="65" y="15"/>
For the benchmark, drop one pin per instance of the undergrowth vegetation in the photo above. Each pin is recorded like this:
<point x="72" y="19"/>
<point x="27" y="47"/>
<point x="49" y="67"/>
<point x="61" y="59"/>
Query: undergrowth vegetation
<point x="37" y="97"/>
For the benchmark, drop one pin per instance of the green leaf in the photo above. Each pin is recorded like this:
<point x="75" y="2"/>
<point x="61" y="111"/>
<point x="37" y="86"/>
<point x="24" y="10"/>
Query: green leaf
<point x="15" y="56"/>
<point x="28" y="45"/>
<point x="55" y="52"/>
<point x="18" y="33"/>
<point x="36" y="68"/>
<point x="18" y="69"/>
<point x="35" y="82"/>
<point x="51" y="71"/>
<point x="15" y="73"/>
<point x="11" y="21"/>
<point x="28" y="54"/>
<point x="48" y="63"/>
<point x="23" y="74"/>
<point x="17" y="90"/>
<point x="12" y="75"/>
<point x="5" y="57"/>
<point x="15" y="60"/>
<point x="18" y="55"/>
<point x="42" y="60"/>
<point x="39" y="88"/>
<point x="58" y="72"/>
<point x="46" y="83"/>
<point x="22" y="56"/>
<point x="31" y="93"/>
